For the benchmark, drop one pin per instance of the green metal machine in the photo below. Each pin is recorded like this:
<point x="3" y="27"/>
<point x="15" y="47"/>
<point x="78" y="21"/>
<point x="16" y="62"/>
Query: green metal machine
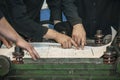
<point x="63" y="68"/>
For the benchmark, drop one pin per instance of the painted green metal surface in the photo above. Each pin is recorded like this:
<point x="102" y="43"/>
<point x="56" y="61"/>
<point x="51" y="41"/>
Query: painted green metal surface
<point x="64" y="69"/>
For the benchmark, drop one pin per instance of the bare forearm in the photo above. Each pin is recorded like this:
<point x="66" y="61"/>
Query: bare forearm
<point x="51" y="34"/>
<point x="7" y="31"/>
<point x="65" y="41"/>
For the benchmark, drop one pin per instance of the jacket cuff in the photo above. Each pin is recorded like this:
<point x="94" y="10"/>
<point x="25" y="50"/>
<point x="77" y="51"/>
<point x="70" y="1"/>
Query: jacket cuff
<point x="75" y="21"/>
<point x="1" y="15"/>
<point x="38" y="35"/>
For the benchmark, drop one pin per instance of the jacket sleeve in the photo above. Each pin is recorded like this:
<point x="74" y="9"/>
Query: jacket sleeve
<point x="55" y="9"/>
<point x="1" y="14"/>
<point x="70" y="11"/>
<point x="23" y="23"/>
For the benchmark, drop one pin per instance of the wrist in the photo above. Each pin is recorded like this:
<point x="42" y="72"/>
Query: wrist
<point x="78" y="26"/>
<point x="51" y="34"/>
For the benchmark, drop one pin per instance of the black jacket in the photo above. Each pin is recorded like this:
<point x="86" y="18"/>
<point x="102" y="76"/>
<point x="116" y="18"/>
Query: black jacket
<point x="55" y="9"/>
<point x="24" y="17"/>
<point x="94" y="14"/>
<point x="1" y="14"/>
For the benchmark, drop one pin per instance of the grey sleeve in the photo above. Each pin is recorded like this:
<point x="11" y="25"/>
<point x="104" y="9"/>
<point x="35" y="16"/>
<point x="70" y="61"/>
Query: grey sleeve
<point x="70" y="11"/>
<point x="55" y="9"/>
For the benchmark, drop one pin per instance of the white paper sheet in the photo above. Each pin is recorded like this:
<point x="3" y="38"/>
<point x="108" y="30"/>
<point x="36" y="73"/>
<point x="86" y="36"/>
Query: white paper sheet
<point x="53" y="50"/>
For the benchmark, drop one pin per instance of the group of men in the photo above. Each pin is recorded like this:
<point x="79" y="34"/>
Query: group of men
<point x="84" y="17"/>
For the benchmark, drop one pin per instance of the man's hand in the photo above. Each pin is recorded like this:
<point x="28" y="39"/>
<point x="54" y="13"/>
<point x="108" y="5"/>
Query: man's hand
<point x="64" y="40"/>
<point x="23" y="44"/>
<point x="10" y="35"/>
<point x="6" y="42"/>
<point x="79" y="35"/>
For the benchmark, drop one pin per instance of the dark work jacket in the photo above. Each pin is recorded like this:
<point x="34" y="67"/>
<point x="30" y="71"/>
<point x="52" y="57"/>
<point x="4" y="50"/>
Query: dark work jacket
<point x="24" y="17"/>
<point x="1" y="14"/>
<point x="55" y="9"/>
<point x="93" y="14"/>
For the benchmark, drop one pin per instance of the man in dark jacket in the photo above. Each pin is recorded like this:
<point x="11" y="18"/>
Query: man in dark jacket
<point x="91" y="15"/>
<point x="94" y="14"/>
<point x="24" y="17"/>
<point x="8" y="36"/>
